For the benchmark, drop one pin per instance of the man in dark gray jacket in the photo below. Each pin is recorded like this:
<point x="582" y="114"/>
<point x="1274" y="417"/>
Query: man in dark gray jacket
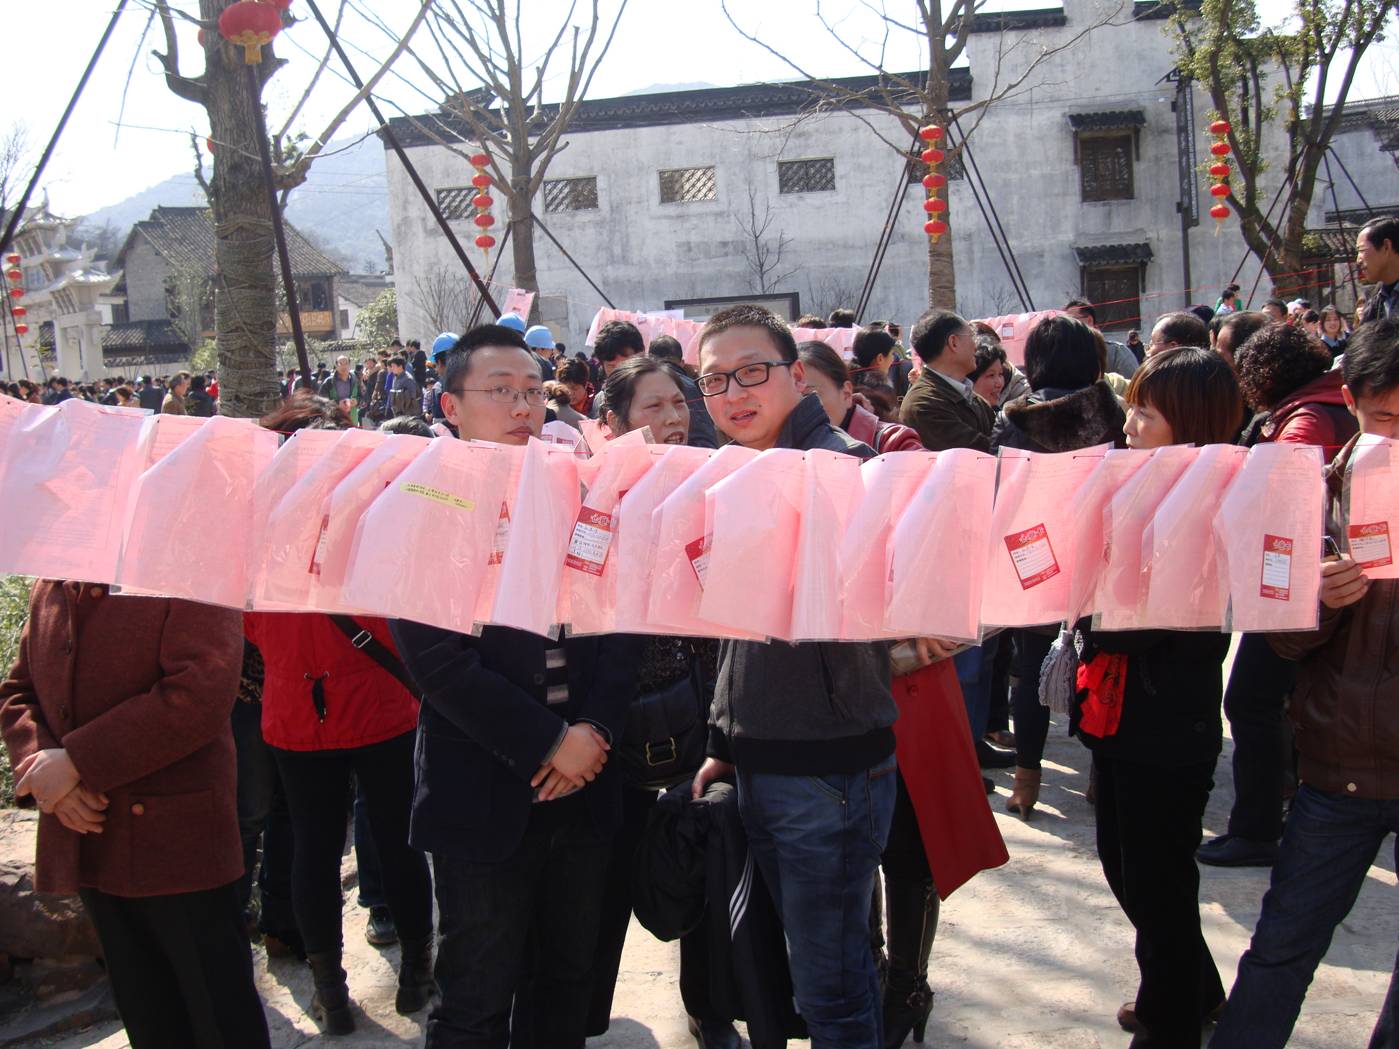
<point x="807" y="728"/>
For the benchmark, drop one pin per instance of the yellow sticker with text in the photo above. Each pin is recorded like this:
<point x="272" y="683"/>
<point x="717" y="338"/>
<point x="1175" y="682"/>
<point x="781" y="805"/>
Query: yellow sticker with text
<point x="438" y="495"/>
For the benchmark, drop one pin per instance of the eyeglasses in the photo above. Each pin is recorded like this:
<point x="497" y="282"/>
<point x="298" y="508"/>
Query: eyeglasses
<point x="535" y="396"/>
<point x="715" y="383"/>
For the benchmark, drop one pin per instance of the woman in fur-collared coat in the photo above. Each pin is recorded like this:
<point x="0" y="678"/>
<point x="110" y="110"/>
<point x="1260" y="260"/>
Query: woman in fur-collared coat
<point x="1071" y="407"/>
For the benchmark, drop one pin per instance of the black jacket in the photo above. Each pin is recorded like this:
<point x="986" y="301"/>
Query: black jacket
<point x="1051" y="420"/>
<point x="809" y="708"/>
<point x="484" y="729"/>
<point x="693" y="870"/>
<point x="1171" y="703"/>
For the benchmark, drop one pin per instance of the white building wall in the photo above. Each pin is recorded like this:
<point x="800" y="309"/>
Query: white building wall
<point x="642" y="252"/>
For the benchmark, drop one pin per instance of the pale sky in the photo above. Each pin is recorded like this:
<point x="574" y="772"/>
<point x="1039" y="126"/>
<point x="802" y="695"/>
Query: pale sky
<point x="659" y="42"/>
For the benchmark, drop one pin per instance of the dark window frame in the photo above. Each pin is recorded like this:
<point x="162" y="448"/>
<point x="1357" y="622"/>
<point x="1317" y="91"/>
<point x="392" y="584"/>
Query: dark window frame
<point x="1128" y="140"/>
<point x="1115" y="311"/>
<point x="677" y="184"/>
<point x="806" y="175"/>
<point x="572" y="193"/>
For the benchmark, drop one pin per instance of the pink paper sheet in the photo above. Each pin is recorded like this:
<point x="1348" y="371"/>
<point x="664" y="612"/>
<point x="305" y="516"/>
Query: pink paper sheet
<point x="1371" y="525"/>
<point x="1125" y="518"/>
<point x="289" y="561"/>
<point x="297" y="454"/>
<point x="443" y="506"/>
<point x="1269" y="531"/>
<point x="1030" y="550"/>
<point x="935" y="579"/>
<point x="633" y="545"/>
<point x="1180" y="563"/>
<point x="530" y="589"/>
<point x="681" y="548"/>
<point x="485" y="600"/>
<point x="831" y="492"/>
<point x="190" y="534"/>
<point x="889" y="482"/>
<point x="1014" y="328"/>
<point x="163" y="434"/>
<point x="65" y="486"/>
<point x="591" y="563"/>
<point x="752" y="556"/>
<point x="1088" y="540"/>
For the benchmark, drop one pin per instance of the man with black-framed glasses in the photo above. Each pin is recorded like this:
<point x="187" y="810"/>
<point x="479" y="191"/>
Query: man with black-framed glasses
<point x="806" y="728"/>
<point x="514" y="796"/>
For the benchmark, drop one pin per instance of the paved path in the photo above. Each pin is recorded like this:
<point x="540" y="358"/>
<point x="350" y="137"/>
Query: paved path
<point x="1035" y="955"/>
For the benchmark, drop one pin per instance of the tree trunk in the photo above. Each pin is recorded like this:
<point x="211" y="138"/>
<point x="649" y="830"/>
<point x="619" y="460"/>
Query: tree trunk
<point x="522" y="238"/>
<point x="942" y="276"/>
<point x="245" y="304"/>
<point x="942" y="279"/>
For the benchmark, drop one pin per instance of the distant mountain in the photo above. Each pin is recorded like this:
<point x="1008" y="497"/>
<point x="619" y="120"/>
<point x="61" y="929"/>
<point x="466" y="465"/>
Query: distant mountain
<point x="343" y="202"/>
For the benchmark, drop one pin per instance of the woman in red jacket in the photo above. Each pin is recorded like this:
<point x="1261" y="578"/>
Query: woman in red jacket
<point x="829" y="379"/>
<point x="335" y="709"/>
<point x="1287" y="373"/>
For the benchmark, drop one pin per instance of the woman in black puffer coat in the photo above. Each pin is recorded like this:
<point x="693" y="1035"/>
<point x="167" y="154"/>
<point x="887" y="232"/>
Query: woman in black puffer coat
<point x="1070" y="407"/>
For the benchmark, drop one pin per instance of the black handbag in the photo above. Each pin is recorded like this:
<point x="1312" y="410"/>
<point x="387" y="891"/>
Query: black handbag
<point x="666" y="735"/>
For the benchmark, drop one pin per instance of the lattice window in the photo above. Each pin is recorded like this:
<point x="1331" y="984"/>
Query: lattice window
<point x="806" y="176"/>
<point x="570" y="194"/>
<point x="455" y="202"/>
<point x="1105" y="166"/>
<point x="1115" y="292"/>
<point x="684" y="185"/>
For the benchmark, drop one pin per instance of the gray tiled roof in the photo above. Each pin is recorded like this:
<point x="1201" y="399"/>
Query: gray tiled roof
<point x="184" y="236"/>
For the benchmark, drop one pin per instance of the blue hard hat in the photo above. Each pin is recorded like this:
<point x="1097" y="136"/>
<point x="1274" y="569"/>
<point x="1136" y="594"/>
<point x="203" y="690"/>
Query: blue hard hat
<point x="513" y="321"/>
<point x="443" y="343"/>
<point x="540" y="337"/>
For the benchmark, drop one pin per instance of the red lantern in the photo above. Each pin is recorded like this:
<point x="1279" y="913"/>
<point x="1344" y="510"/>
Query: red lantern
<point x="481" y="181"/>
<point x="250" y="25"/>
<point x="933" y="156"/>
<point x="15" y="275"/>
<point x="209" y="145"/>
<point x="1220" y="149"/>
<point x="21" y="329"/>
<point x="1219" y="189"/>
<point x="16" y="293"/>
<point x="931" y="133"/>
<point x="1219" y="212"/>
<point x="200" y="37"/>
<point x="935" y="205"/>
<point x="482" y="201"/>
<point x="1219" y="127"/>
<point x="12" y="258"/>
<point x="18" y="311"/>
<point x="485" y="241"/>
<point x="936" y="228"/>
<point x="485" y="221"/>
<point x="480" y="160"/>
<point x="280" y="5"/>
<point x="1219" y="170"/>
<point x="934" y="181"/>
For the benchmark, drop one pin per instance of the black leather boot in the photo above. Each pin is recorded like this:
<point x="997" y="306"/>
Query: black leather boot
<point x="415" y="983"/>
<point x="912" y="910"/>
<point x="330" y="1003"/>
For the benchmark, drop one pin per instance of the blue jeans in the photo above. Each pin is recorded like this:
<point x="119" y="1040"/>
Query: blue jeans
<point x="371" y="874"/>
<point x="974" y="674"/>
<point x="1328" y="845"/>
<point x="817" y="841"/>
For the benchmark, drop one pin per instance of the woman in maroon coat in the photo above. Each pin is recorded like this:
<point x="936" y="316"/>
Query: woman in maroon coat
<point x="829" y="379"/>
<point x="116" y="719"/>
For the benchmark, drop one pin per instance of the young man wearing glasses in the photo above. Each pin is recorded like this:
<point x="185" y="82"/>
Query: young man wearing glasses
<point x="806" y="728"/>
<point x="514" y="795"/>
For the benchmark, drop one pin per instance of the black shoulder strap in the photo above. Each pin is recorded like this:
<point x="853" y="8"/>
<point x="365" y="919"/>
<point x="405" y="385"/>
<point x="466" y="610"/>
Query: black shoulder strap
<point x="367" y="643"/>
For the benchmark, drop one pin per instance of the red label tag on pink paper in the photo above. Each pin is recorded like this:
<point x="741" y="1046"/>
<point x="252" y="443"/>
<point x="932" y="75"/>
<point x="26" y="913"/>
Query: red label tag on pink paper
<point x="592" y="536"/>
<point x="1033" y="556"/>
<point x="1369" y="544"/>
<point x="1277" y="568"/>
<point x="501" y="537"/>
<point x="698" y="553"/>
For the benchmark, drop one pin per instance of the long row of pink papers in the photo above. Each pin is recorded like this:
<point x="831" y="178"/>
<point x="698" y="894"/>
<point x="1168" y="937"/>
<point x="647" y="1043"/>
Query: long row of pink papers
<point x="779" y="545"/>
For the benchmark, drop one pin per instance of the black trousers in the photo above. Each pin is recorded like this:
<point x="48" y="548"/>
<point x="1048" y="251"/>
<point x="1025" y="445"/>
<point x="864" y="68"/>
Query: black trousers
<point x="318" y="786"/>
<point x="262" y="816"/>
<point x="530" y="919"/>
<point x="1258" y="689"/>
<point x="1148" y="830"/>
<point x="181" y="969"/>
<point x="1031" y="719"/>
<point x="904" y="858"/>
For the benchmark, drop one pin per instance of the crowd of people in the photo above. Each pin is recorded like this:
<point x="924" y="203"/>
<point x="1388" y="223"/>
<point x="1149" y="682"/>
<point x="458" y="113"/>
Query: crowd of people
<point x="544" y="789"/>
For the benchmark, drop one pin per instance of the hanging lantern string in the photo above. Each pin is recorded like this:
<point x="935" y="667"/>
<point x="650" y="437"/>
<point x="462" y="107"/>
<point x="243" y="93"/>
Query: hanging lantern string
<point x="1219" y="172"/>
<point x="935" y="206"/>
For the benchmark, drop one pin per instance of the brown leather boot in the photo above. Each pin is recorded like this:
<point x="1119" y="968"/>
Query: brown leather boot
<point x="1025" y="793"/>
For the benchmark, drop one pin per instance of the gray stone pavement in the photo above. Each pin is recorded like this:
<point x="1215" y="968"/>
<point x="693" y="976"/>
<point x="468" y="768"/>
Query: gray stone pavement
<point x="1035" y="955"/>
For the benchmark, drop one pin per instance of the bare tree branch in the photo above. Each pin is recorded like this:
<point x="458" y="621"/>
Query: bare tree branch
<point x="190" y="89"/>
